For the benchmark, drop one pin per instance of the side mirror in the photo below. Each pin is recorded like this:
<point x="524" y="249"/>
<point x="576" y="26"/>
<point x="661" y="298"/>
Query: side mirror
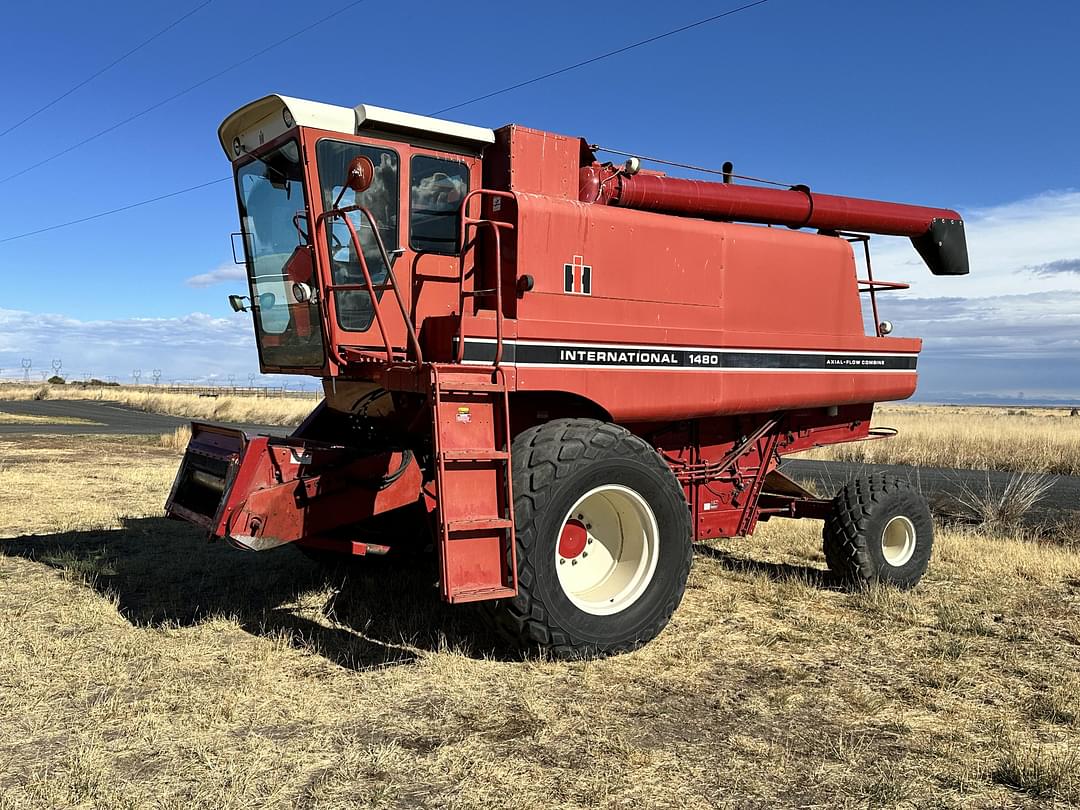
<point x="237" y="303"/>
<point x="361" y="174"/>
<point x="359" y="177"/>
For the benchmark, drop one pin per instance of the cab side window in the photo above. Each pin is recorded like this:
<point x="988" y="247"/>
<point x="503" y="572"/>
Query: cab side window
<point x="437" y="188"/>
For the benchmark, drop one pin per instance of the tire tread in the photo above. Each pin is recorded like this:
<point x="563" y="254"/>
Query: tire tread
<point x="543" y="455"/>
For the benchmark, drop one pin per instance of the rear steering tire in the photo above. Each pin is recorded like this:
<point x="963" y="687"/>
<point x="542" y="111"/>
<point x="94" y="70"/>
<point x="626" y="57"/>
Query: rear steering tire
<point x="879" y="529"/>
<point x="603" y="541"/>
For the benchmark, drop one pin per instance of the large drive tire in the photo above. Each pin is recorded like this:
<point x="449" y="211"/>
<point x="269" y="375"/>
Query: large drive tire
<point x="878" y="530"/>
<point x="584" y="487"/>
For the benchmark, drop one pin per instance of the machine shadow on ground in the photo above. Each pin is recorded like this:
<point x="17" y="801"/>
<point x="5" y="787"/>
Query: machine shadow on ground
<point x="776" y="571"/>
<point x="163" y="573"/>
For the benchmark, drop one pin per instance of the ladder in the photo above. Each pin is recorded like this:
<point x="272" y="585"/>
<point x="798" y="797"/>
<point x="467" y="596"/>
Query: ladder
<point x="470" y="414"/>
<point x="471" y="430"/>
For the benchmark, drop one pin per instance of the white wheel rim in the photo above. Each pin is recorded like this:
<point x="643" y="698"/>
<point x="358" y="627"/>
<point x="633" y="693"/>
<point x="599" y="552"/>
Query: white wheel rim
<point x="606" y="551"/>
<point x="898" y="541"/>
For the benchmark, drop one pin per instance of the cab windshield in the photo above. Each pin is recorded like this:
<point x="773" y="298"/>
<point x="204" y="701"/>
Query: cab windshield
<point x="279" y="260"/>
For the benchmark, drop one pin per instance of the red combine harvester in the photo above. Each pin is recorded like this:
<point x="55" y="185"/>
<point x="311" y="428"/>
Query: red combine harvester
<point x="573" y="369"/>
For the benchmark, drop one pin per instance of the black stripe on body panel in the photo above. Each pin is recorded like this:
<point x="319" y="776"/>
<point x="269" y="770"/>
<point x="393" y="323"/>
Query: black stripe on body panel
<point x="549" y="354"/>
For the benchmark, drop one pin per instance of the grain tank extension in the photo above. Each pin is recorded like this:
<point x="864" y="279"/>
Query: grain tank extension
<point x="563" y="371"/>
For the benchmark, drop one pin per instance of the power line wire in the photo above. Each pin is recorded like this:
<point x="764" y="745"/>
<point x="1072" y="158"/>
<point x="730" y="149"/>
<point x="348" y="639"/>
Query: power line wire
<point x="462" y="104"/>
<point x="183" y="92"/>
<point x="116" y="210"/>
<point x="590" y="61"/>
<point x="107" y="67"/>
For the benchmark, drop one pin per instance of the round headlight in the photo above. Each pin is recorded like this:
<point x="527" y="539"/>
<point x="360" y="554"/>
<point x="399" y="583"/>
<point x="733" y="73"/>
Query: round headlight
<point x="286" y="116"/>
<point x="237" y="147"/>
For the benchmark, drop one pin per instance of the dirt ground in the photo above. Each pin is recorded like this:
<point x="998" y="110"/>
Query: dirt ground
<point x="142" y="667"/>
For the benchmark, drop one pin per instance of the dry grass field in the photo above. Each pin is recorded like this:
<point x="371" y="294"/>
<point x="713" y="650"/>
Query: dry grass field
<point x="244" y="409"/>
<point x="31" y="419"/>
<point x="142" y="667"/>
<point x="1045" y="440"/>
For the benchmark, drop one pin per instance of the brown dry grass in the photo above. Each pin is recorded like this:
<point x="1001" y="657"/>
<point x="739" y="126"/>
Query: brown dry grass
<point x="142" y="667"/>
<point x="1045" y="440"/>
<point x="31" y="419"/>
<point x="243" y="409"/>
<point x="177" y="440"/>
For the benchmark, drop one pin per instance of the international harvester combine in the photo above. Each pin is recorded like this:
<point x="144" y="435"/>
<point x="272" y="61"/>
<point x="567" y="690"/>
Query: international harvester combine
<point x="572" y="370"/>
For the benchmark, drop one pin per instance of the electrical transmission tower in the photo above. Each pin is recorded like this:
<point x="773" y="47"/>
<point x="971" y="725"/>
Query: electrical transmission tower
<point x="157" y="375"/>
<point x="26" y="364"/>
<point x="135" y="374"/>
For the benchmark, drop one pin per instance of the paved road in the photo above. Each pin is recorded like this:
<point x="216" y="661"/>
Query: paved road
<point x="108" y="417"/>
<point x="829" y="476"/>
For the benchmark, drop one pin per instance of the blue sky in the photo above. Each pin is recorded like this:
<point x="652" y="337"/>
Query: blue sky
<point x="965" y="104"/>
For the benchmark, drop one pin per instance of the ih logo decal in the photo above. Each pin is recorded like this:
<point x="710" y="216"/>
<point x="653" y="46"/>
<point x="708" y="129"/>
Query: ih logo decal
<point x="577" y="277"/>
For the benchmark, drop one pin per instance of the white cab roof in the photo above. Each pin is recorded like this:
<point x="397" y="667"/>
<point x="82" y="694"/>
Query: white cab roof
<point x="371" y="117"/>
<point x="265" y="119"/>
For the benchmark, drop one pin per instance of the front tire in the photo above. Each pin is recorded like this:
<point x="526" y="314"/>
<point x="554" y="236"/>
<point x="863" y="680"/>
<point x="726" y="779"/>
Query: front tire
<point x="603" y="540"/>
<point x="879" y="529"/>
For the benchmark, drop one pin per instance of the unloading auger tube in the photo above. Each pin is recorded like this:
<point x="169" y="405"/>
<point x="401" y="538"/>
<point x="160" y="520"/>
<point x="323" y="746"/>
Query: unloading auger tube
<point x="937" y="233"/>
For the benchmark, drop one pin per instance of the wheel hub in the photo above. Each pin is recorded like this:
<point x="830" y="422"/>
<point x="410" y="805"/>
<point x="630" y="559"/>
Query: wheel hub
<point x="573" y="540"/>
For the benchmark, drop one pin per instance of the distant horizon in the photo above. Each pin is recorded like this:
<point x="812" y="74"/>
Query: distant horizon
<point x="300" y="382"/>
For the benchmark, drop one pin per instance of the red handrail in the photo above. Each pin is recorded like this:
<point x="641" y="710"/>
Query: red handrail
<point x="495" y="225"/>
<point x="368" y="284"/>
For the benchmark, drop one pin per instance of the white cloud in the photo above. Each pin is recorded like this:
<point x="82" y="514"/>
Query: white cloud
<point x="227" y="272"/>
<point x="1005" y="244"/>
<point x="996" y="344"/>
<point x="1013" y="323"/>
<point x="188" y="347"/>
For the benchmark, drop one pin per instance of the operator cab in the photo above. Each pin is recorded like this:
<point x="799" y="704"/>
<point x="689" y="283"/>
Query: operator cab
<point x="307" y="289"/>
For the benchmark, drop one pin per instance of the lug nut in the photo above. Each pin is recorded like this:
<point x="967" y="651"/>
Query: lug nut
<point x="573" y="562"/>
<point x="588" y="542"/>
<point x="562" y="561"/>
<point x="584" y="554"/>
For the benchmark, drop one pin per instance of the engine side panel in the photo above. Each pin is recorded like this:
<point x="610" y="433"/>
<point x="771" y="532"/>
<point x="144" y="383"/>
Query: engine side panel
<point x="656" y="317"/>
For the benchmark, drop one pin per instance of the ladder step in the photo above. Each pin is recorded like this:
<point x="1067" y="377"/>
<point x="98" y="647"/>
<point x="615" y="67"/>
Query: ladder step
<point x="468" y="386"/>
<point x="475" y="454"/>
<point x="475" y="595"/>
<point x="478" y="525"/>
